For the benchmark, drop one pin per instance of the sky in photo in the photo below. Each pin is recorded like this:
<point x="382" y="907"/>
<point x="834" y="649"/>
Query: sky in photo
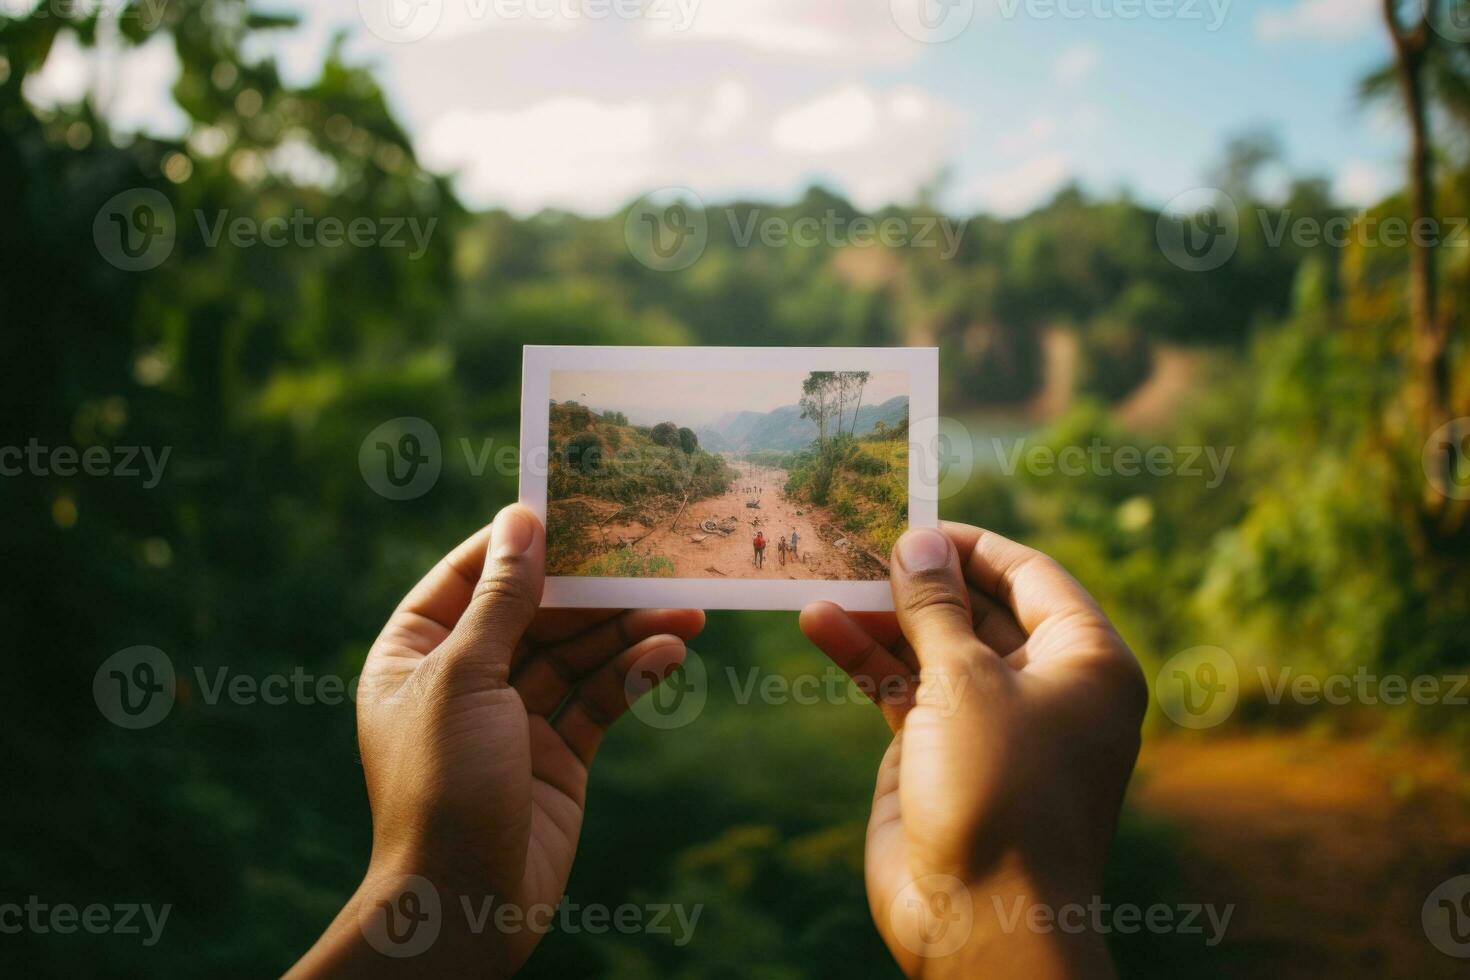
<point x="534" y="103"/>
<point x="695" y="398"/>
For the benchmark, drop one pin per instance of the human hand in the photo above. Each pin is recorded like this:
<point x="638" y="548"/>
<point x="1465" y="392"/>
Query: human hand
<point x="478" y="717"/>
<point x="1011" y="754"/>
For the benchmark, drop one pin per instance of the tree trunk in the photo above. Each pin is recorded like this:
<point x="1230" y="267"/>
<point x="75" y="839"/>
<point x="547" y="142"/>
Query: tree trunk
<point x="1431" y="375"/>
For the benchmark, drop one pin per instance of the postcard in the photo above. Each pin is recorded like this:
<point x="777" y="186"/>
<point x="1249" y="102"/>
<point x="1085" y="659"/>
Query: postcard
<point x="727" y="477"/>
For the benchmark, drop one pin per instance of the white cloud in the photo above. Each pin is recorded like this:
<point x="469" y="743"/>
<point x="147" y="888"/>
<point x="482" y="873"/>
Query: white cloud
<point x="1318" y="20"/>
<point x="1020" y="189"/>
<point x="728" y="109"/>
<point x="1076" y="63"/>
<point x="1362" y="184"/>
<point x="814" y="28"/>
<point x="830" y="123"/>
<point x="570" y="152"/>
<point x="594" y="156"/>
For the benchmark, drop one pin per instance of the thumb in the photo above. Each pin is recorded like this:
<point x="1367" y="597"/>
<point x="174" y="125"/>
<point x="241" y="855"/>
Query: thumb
<point x="505" y="599"/>
<point x="930" y="598"/>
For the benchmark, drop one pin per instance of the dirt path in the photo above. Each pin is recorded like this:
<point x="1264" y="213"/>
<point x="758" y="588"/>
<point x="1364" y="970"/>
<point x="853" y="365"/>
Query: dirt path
<point x="731" y="556"/>
<point x="1328" y="846"/>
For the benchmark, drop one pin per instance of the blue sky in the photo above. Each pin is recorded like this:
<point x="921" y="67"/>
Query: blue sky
<point x="536" y="103"/>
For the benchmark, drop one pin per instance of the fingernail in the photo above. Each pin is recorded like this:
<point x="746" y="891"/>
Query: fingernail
<point x="923" y="549"/>
<point x="512" y="533"/>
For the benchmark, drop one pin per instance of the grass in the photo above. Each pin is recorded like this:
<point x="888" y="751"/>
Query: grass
<point x="627" y="563"/>
<point x="864" y="482"/>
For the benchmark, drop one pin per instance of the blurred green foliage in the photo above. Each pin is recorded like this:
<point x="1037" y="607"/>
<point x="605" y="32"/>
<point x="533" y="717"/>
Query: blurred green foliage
<point x="265" y="552"/>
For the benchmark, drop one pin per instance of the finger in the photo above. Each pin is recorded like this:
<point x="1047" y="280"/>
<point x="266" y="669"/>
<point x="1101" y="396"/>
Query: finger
<point x="549" y="674"/>
<point x="504" y="600"/>
<point x="428" y="613"/>
<point x="994" y="624"/>
<point x="555" y="625"/>
<point x="1047" y="603"/>
<point x="930" y="599"/>
<point x="602" y="698"/>
<point x="880" y="675"/>
<point x="1032" y="585"/>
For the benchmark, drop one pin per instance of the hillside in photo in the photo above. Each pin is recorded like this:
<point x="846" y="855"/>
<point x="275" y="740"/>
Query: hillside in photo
<point x="786" y="429"/>
<point x="603" y="470"/>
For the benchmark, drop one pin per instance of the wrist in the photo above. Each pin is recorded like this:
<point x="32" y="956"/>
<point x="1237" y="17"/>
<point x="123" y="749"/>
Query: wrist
<point x="408" y="920"/>
<point x="1014" y="922"/>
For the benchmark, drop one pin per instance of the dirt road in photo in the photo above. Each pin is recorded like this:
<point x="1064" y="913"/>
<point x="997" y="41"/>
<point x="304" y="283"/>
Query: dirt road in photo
<point x="698" y="553"/>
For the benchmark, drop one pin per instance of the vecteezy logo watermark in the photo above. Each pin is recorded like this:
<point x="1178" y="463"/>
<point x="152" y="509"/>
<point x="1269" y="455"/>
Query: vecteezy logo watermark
<point x="675" y="702"/>
<point x="35" y="459"/>
<point x="667" y="229"/>
<point x="405" y="21"/>
<point x="932" y="915"/>
<point x="932" y="21"/>
<point x="407" y="916"/>
<point x="1447" y="459"/>
<point x="405" y="920"/>
<point x="1100" y="459"/>
<point x="401" y="21"/>
<point x="1364" y="687"/>
<point x="1446" y="917"/>
<point x="135" y="688"/>
<point x="836" y="230"/>
<point x="1449" y="18"/>
<point x="1103" y="918"/>
<point x="1211" y="13"/>
<point x="135" y="229"/>
<point x="1198" y="688"/>
<point x="1199" y="230"/>
<point x="942" y="461"/>
<point x="148" y="13"/>
<point x="682" y="696"/>
<point x="401" y="458"/>
<point x="63" y="918"/>
<point x="1365" y="230"/>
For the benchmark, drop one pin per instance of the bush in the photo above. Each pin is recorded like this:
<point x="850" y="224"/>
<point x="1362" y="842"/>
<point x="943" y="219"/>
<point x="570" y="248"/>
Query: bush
<point x="584" y="453"/>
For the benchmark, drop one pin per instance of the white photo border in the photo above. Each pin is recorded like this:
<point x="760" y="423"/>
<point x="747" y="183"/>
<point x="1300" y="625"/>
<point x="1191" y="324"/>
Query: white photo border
<point x="566" y="591"/>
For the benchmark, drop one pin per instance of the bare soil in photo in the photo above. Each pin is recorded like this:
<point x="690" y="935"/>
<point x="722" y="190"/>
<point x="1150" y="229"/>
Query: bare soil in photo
<point x="824" y="551"/>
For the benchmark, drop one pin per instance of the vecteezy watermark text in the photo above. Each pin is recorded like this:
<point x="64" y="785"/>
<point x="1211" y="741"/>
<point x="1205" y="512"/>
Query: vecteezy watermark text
<point x="668" y="229"/>
<point x="137" y="230"/>
<point x="1100" y="459"/>
<point x="406" y="21"/>
<point x="835" y="230"/>
<point x="97" y="918"/>
<point x="1210" y="13"/>
<point x="34" y="459"/>
<point x="410" y="912"/>
<point x="1201" y="687"/>
<point x="1103" y="918"/>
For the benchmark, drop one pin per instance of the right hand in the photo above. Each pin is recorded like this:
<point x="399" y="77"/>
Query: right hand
<point x="1010" y="757"/>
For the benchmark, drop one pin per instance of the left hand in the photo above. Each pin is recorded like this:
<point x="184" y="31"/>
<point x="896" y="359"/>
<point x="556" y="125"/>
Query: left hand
<point x="478" y="716"/>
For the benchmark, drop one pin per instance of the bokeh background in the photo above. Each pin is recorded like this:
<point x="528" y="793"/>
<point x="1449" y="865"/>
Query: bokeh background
<point x="1333" y="544"/>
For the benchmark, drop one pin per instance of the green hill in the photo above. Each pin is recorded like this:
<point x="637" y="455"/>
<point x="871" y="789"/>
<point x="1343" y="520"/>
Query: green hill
<point x="601" y="466"/>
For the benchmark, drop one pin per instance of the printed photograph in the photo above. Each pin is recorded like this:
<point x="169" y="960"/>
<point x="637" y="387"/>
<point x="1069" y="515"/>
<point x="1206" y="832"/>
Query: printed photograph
<point x="736" y="474"/>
